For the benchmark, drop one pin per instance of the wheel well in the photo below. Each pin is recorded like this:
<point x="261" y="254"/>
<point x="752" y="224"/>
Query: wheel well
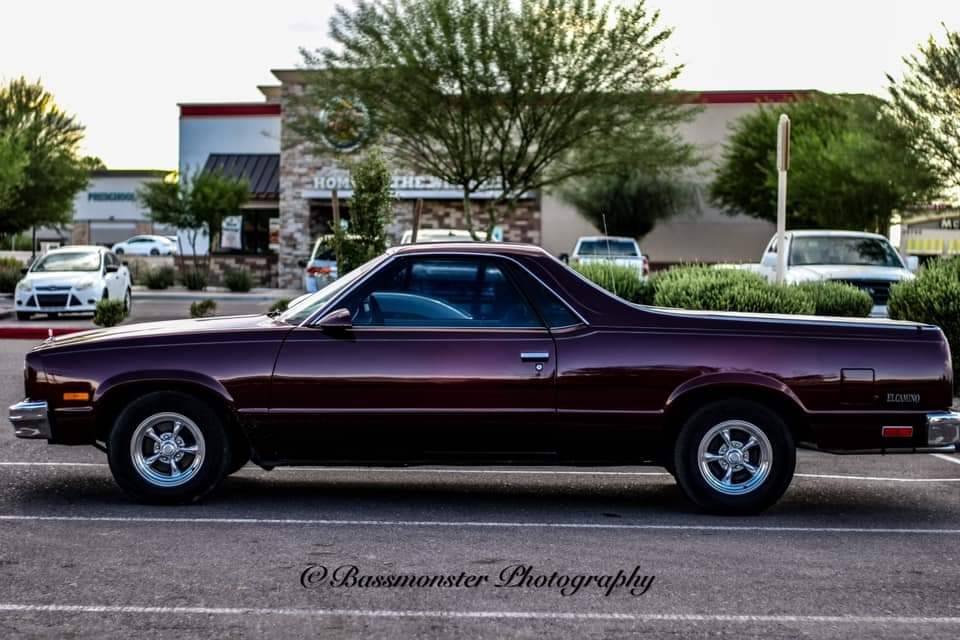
<point x="110" y="406"/>
<point x="782" y="405"/>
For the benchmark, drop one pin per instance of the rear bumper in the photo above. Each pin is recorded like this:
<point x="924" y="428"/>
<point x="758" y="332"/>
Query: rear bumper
<point x="943" y="428"/>
<point x="30" y="420"/>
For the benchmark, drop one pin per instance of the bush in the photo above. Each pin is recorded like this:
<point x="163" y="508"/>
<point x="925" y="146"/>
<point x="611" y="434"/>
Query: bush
<point x="9" y="280"/>
<point x="933" y="298"/>
<point x="160" y="278"/>
<point x="238" y="281"/>
<point x="280" y="305"/>
<point x="711" y="289"/>
<point x="194" y="280"/>
<point x="11" y="264"/>
<point x="838" y="299"/>
<point x="621" y="280"/>
<point x="203" y="308"/>
<point x="108" y="313"/>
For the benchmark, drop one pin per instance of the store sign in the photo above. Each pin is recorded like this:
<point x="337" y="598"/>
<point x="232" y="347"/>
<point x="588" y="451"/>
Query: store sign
<point x="274" y="234"/>
<point x="405" y="186"/>
<point x="230" y="233"/>
<point x="111" y="196"/>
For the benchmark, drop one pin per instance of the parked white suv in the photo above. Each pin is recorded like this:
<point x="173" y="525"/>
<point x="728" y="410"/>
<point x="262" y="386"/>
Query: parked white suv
<point x="615" y="249"/>
<point x="865" y="260"/>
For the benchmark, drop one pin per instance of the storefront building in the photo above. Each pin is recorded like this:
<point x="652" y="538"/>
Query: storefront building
<point x="293" y="183"/>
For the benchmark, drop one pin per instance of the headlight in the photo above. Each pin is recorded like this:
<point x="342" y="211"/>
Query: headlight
<point x="24" y="285"/>
<point x="84" y="284"/>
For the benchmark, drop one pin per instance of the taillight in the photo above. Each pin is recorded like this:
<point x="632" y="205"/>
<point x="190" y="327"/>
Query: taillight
<point x="317" y="271"/>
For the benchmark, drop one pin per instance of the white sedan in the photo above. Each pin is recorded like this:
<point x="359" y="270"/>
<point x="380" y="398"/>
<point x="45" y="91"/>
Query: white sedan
<point x="146" y="246"/>
<point x="72" y="280"/>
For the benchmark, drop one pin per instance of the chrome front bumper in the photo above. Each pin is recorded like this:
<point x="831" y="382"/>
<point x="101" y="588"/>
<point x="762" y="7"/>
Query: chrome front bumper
<point x="943" y="428"/>
<point x="29" y="420"/>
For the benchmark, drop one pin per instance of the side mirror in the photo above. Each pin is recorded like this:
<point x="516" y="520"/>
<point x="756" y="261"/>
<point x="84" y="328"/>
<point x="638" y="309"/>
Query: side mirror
<point x="125" y="263"/>
<point x="769" y="260"/>
<point x="302" y="264"/>
<point x="564" y="258"/>
<point x="23" y="271"/>
<point x="913" y="263"/>
<point x="337" y="320"/>
<point x="111" y="268"/>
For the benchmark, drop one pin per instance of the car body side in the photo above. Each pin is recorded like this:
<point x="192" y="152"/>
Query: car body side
<point x="620" y="384"/>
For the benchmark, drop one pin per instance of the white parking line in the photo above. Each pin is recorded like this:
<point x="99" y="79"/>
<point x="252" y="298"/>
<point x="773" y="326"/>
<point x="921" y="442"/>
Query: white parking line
<point x="478" y="615"/>
<point x="475" y="524"/>
<point x="945" y="457"/>
<point x="509" y="472"/>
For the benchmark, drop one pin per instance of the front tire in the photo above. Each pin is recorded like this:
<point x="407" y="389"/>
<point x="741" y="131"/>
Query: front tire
<point x="168" y="448"/>
<point x="734" y="457"/>
<point x="23" y="316"/>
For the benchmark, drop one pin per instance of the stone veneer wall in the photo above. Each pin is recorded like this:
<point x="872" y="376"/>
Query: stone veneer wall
<point x="299" y="163"/>
<point x="262" y="268"/>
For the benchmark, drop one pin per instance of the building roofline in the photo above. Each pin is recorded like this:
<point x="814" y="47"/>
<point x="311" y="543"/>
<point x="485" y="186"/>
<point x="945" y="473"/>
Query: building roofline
<point x="228" y="109"/>
<point x="131" y="173"/>
<point x="748" y="96"/>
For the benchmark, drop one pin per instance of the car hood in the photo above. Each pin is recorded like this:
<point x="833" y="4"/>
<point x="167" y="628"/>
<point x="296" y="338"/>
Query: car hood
<point x="161" y="332"/>
<point x="847" y="272"/>
<point x="59" y="277"/>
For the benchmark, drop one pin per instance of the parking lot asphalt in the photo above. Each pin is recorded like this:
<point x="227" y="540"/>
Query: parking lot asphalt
<point x="860" y="546"/>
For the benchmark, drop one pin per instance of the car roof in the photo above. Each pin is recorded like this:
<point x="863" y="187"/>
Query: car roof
<point x="75" y="247"/>
<point x="803" y="233"/>
<point x="593" y="238"/>
<point x="502" y="248"/>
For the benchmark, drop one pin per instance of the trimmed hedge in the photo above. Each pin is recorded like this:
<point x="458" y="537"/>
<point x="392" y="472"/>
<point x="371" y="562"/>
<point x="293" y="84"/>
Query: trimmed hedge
<point x="194" y="280"/>
<point x="838" y="299"/>
<point x="9" y="274"/>
<point x="621" y="280"/>
<point x="203" y="308"/>
<point x="160" y="278"/>
<point x="238" y="280"/>
<point x="933" y="297"/>
<point x="708" y="288"/>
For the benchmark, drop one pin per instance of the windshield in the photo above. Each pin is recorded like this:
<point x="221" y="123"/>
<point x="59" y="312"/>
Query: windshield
<point x="89" y="261"/>
<point x="605" y="247"/>
<point x="814" y="250"/>
<point x="309" y="305"/>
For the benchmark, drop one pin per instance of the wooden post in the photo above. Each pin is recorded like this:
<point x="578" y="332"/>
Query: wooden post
<point x="417" y="211"/>
<point x="335" y="204"/>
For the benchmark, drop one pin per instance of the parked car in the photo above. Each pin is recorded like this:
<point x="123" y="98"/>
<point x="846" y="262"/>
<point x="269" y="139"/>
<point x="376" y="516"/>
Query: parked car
<point x="865" y="260"/>
<point x="477" y="353"/>
<point x="613" y="249"/>
<point x="442" y="235"/>
<point x="321" y="269"/>
<point x="72" y="280"/>
<point x="146" y="246"/>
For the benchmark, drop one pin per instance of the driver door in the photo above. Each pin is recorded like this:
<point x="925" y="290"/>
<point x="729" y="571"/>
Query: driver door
<point x="445" y="359"/>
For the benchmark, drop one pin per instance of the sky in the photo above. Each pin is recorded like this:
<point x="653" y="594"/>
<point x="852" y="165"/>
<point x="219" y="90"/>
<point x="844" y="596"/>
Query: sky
<point x="121" y="66"/>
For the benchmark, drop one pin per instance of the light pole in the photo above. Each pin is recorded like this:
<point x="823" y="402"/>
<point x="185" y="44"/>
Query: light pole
<point x="783" y="165"/>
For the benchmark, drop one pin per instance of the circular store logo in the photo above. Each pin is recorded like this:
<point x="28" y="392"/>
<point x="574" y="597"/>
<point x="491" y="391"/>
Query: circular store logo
<point x="345" y="123"/>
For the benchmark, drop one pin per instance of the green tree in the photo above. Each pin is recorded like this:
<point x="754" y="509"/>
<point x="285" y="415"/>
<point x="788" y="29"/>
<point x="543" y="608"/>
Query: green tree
<point x="851" y="165"/>
<point x="53" y="170"/>
<point x="927" y="101"/>
<point x="371" y="208"/>
<point x="13" y="161"/>
<point x="502" y="95"/>
<point x="195" y="203"/>
<point x="631" y="202"/>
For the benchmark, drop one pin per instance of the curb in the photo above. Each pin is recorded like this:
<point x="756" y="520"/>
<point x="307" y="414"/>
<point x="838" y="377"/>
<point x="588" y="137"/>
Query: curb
<point x="36" y="333"/>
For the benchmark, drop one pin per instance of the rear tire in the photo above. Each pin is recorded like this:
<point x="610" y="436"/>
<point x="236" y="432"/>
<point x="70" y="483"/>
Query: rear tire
<point x="734" y="457"/>
<point x="23" y="316"/>
<point x="179" y="425"/>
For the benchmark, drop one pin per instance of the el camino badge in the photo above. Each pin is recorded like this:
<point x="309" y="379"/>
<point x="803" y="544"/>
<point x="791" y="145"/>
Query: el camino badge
<point x="903" y="398"/>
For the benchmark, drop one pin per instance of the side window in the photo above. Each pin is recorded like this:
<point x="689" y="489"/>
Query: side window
<point x="554" y="312"/>
<point x="111" y="260"/>
<point x="441" y="292"/>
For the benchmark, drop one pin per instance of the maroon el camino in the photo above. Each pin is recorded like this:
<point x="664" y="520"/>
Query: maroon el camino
<point x="489" y="354"/>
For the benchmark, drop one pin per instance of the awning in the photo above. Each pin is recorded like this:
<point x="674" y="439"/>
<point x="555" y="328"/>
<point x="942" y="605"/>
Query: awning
<point x="261" y="171"/>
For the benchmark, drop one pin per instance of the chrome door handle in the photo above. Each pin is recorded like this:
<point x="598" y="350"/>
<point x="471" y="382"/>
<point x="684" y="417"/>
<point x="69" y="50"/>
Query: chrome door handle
<point x="534" y="356"/>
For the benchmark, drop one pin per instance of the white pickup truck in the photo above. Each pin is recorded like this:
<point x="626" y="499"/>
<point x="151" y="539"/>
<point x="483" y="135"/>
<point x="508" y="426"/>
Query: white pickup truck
<point x="611" y="249"/>
<point x="865" y="260"/>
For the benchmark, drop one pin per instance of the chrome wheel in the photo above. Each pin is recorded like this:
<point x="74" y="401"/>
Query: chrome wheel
<point x="735" y="457"/>
<point x="167" y="449"/>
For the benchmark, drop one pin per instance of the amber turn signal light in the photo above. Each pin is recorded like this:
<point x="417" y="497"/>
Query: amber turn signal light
<point x="897" y="432"/>
<point x="78" y="395"/>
